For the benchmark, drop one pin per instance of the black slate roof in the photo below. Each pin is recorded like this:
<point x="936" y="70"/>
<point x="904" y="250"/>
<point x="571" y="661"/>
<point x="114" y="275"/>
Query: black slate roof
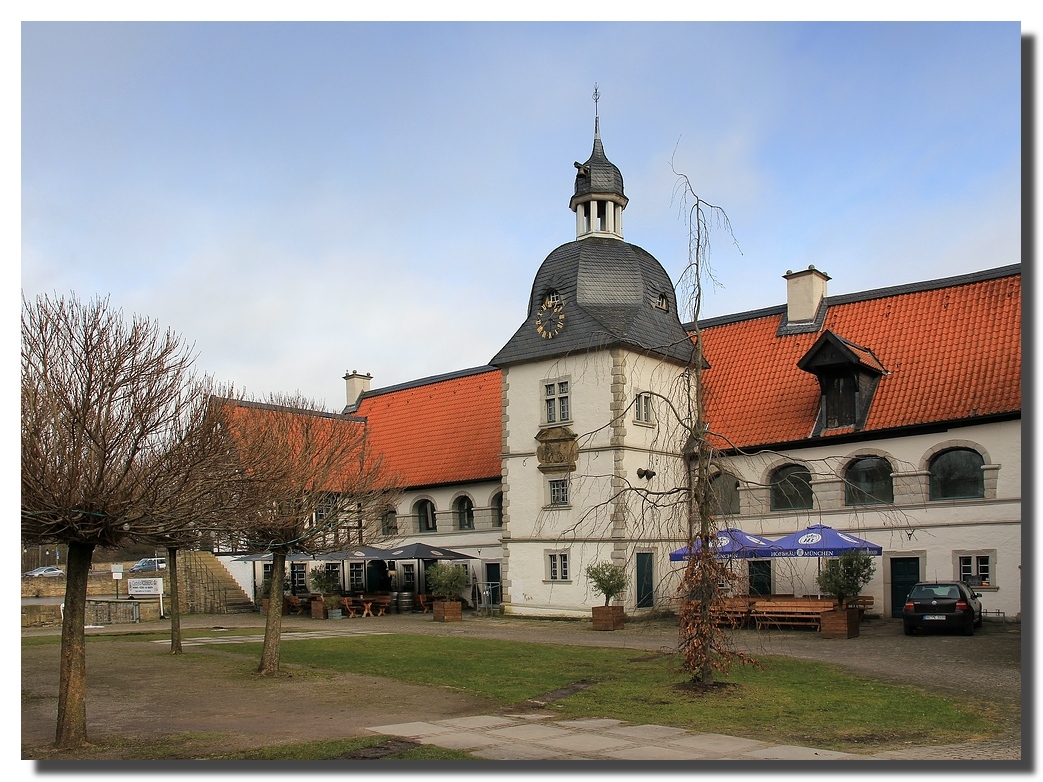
<point x="610" y="290"/>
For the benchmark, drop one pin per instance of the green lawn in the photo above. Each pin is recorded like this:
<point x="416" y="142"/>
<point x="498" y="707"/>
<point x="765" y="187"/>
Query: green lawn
<point x="786" y="700"/>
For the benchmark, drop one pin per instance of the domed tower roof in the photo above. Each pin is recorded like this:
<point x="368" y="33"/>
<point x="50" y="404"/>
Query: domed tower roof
<point x="599" y="291"/>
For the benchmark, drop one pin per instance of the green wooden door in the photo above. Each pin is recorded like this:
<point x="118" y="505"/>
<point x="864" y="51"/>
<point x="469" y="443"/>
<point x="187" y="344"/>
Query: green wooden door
<point x="905" y="572"/>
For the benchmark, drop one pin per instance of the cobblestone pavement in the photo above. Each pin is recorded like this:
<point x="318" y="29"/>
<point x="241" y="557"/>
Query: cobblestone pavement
<point x="988" y="664"/>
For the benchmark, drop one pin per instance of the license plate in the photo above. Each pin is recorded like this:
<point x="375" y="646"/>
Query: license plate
<point x="937" y="617"/>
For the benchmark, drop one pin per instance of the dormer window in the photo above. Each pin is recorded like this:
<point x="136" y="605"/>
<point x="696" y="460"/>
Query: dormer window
<point x="551" y="298"/>
<point x="663" y="303"/>
<point x="848" y="375"/>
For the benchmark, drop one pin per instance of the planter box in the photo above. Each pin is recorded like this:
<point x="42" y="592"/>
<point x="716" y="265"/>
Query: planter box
<point x="264" y="607"/>
<point x="841" y="623"/>
<point x="335" y="613"/>
<point x="318" y="609"/>
<point x="607" y="617"/>
<point x="447" y="612"/>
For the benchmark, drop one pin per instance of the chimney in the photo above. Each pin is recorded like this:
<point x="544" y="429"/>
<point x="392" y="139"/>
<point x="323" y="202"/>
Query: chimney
<point x="805" y="291"/>
<point x="356" y="385"/>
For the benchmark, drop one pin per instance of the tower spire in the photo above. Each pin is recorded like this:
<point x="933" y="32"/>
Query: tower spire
<point x="597" y="97"/>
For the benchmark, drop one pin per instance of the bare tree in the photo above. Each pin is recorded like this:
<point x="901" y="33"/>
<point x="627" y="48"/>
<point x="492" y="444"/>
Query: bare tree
<point x="309" y="480"/>
<point x="112" y="415"/>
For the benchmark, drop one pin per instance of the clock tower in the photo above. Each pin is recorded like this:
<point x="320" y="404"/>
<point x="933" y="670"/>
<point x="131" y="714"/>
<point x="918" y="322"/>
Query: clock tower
<point x="600" y="349"/>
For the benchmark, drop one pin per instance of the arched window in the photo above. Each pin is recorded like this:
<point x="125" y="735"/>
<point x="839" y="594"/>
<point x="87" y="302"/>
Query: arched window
<point x="425" y="516"/>
<point x="498" y="509"/>
<point x="464" y="510"/>
<point x="868" y="482"/>
<point x="956" y="474"/>
<point x="724" y="494"/>
<point x="791" y="488"/>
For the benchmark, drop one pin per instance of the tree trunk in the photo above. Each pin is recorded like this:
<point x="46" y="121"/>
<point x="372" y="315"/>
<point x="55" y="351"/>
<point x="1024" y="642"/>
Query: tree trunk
<point x="273" y="620"/>
<point x="72" y="677"/>
<point x="175" y="605"/>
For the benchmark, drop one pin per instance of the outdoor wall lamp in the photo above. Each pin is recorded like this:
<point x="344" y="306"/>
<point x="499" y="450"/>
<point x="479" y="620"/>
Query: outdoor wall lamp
<point x="643" y="473"/>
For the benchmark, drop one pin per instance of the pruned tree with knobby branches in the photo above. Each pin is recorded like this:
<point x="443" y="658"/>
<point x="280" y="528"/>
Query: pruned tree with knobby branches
<point x="116" y="447"/>
<point x="311" y="482"/>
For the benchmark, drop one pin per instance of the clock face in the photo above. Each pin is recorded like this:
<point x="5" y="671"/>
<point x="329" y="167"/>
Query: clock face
<point x="550" y="319"/>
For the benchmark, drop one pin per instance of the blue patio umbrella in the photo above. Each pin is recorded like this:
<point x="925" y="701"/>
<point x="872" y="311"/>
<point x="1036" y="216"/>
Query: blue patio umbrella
<point x="726" y="544"/>
<point x="818" y="540"/>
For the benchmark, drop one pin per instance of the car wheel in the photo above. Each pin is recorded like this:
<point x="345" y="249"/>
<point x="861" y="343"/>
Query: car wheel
<point x="908" y="629"/>
<point x="978" y="621"/>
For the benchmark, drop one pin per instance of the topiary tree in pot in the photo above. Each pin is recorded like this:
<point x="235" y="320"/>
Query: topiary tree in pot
<point x="327" y="583"/>
<point x="844" y="578"/>
<point x="446" y="582"/>
<point x="611" y="581"/>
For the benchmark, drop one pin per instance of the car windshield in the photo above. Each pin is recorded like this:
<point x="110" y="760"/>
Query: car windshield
<point x="935" y="591"/>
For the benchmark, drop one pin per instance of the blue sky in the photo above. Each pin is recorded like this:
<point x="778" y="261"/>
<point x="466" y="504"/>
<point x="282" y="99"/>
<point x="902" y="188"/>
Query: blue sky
<point x="303" y="199"/>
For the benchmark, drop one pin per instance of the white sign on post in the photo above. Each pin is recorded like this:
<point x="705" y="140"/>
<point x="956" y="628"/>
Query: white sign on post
<point x="146" y="586"/>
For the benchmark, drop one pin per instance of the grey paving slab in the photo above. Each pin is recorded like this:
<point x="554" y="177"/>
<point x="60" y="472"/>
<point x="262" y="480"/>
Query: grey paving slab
<point x="530" y="732"/>
<point x="522" y="752"/>
<point x="585" y="743"/>
<point x="652" y="752"/>
<point x="590" y="724"/>
<point x="790" y="752"/>
<point x="647" y="732"/>
<point x="480" y="721"/>
<point x="468" y="740"/>
<point x="411" y="729"/>
<point x="716" y="743"/>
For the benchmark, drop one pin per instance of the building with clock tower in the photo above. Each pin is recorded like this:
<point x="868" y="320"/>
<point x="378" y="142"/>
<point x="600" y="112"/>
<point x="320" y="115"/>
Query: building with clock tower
<point x="590" y="382"/>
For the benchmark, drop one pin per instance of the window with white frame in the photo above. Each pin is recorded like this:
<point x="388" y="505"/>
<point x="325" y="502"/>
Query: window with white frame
<point x="643" y="408"/>
<point x="556" y="402"/>
<point x="975" y="568"/>
<point x="558" y="566"/>
<point x="408" y="582"/>
<point x="559" y="491"/>
<point x="357" y="576"/>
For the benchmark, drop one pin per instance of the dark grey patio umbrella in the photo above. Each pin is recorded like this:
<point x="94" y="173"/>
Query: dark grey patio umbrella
<point x="357" y="552"/>
<point x="424" y="551"/>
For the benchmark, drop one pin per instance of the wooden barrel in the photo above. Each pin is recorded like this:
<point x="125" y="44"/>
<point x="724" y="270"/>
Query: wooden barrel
<point x="393" y="607"/>
<point x="405" y="602"/>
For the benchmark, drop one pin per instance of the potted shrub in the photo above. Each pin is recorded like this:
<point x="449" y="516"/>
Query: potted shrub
<point x="327" y="584"/>
<point x="264" y="592"/>
<point x="333" y="609"/>
<point x="844" y="578"/>
<point x="446" y="582"/>
<point x="611" y="581"/>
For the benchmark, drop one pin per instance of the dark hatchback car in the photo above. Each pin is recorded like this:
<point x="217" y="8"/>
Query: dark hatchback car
<point x="942" y="605"/>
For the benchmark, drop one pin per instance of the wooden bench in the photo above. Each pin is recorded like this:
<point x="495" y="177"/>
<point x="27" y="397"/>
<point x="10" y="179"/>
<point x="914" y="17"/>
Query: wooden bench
<point x="862" y="603"/>
<point x="380" y="604"/>
<point x="424" y="601"/>
<point x="296" y="606"/>
<point x="806" y="612"/>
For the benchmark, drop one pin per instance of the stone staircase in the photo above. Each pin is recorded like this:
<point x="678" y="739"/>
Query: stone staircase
<point x="206" y="587"/>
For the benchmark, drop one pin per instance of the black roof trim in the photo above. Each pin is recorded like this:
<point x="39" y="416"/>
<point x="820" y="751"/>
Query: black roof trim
<point x="287" y="409"/>
<point x="879" y="293"/>
<point x="867" y="435"/>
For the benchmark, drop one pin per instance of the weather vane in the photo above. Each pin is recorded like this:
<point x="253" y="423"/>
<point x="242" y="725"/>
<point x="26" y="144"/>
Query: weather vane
<point x="597" y="97"/>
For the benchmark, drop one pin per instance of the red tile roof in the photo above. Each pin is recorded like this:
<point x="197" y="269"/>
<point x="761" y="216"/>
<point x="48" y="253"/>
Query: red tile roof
<point x="440" y="430"/>
<point x="951" y="352"/>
